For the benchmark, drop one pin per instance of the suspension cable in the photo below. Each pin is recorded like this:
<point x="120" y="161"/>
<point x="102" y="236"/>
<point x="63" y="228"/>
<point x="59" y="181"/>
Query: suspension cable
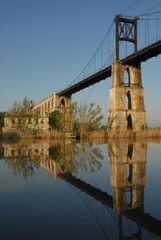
<point x="143" y="15"/>
<point x="99" y="50"/>
<point x="94" y="55"/>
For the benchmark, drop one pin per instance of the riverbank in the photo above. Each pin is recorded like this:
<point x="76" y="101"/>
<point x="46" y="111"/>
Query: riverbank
<point x="99" y="134"/>
<point x="146" y="133"/>
<point x="21" y="135"/>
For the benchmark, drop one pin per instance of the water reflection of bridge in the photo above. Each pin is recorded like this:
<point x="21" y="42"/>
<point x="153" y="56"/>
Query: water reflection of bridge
<point x="127" y="168"/>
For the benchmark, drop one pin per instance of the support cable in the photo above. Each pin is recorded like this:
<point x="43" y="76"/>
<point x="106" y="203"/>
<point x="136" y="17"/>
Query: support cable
<point x="155" y="6"/>
<point x="145" y="33"/>
<point x="89" y="94"/>
<point x="130" y="6"/>
<point x="101" y="55"/>
<point x="95" y="64"/>
<point x="94" y="55"/>
<point x="156" y="29"/>
<point x="108" y="43"/>
<point x="148" y="27"/>
<point x="143" y="15"/>
<point x="150" y="19"/>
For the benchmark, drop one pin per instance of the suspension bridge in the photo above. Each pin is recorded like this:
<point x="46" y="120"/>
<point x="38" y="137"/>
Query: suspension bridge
<point x="119" y="57"/>
<point x="134" y="59"/>
<point x="99" y="67"/>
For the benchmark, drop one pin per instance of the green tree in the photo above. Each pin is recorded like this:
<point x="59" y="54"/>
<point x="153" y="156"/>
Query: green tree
<point x="86" y="119"/>
<point x="103" y="127"/>
<point x="22" y="112"/>
<point x="56" y="120"/>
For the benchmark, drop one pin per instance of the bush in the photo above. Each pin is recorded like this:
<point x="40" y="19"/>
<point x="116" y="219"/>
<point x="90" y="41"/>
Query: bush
<point x="56" y="120"/>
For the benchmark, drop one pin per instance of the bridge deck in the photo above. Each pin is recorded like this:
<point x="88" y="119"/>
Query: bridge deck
<point x="142" y="55"/>
<point x="97" y="77"/>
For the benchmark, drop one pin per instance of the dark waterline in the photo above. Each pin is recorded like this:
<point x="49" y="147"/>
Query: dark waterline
<point x="71" y="190"/>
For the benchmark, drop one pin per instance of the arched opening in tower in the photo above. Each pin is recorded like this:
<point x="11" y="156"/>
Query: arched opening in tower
<point x="62" y="102"/>
<point x="129" y="122"/>
<point x="127" y="77"/>
<point x="128" y="100"/>
<point x="129" y="196"/>
<point x="130" y="151"/>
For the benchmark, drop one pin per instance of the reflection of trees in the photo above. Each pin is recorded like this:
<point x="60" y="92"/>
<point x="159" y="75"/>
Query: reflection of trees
<point x="62" y="155"/>
<point x="55" y="153"/>
<point x="22" y="161"/>
<point x="24" y="166"/>
<point x="55" y="157"/>
<point x="87" y="157"/>
<point x="75" y="156"/>
<point x="1" y="152"/>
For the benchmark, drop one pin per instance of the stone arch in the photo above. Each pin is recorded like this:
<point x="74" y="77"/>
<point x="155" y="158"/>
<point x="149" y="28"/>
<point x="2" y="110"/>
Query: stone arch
<point x="127" y="77"/>
<point x="129" y="122"/>
<point x="129" y="172"/>
<point x="48" y="106"/>
<point x="129" y="196"/>
<point x="52" y="103"/>
<point x="130" y="151"/>
<point x="128" y="100"/>
<point x="42" y="110"/>
<point x="62" y="102"/>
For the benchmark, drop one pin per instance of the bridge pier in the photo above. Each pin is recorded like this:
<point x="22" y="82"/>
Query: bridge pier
<point x="127" y="169"/>
<point x="126" y="98"/>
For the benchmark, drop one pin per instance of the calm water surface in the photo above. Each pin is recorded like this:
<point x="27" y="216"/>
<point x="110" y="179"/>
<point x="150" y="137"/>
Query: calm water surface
<point x="71" y="190"/>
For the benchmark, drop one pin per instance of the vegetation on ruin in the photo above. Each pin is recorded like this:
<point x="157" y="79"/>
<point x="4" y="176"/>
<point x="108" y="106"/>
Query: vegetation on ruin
<point x="22" y="112"/>
<point x="56" y="120"/>
<point x="86" y="118"/>
<point x="80" y="120"/>
<point x="83" y="119"/>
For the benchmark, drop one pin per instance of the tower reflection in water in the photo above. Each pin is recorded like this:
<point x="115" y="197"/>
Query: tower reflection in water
<point x="127" y="163"/>
<point x="127" y="168"/>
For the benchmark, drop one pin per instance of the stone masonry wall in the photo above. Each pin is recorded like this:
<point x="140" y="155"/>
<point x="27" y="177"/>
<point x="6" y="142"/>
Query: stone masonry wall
<point x="126" y="100"/>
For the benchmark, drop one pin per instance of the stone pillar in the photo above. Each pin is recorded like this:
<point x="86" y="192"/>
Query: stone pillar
<point x="120" y="116"/>
<point x="127" y="168"/>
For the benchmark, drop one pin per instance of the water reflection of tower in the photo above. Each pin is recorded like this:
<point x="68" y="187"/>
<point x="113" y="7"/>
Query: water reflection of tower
<point x="127" y="167"/>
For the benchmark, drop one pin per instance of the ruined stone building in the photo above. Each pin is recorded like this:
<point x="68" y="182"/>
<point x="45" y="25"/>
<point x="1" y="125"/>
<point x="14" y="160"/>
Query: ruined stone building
<point x="44" y="107"/>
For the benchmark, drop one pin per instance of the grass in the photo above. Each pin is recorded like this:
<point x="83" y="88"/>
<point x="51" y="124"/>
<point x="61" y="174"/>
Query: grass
<point x="99" y="134"/>
<point x="144" y="133"/>
<point x="9" y="135"/>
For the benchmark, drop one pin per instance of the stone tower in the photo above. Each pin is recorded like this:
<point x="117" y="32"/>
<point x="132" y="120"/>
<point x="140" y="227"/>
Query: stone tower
<point x="127" y="169"/>
<point x="126" y="98"/>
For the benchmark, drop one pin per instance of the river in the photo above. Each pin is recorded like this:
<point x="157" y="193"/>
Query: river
<point x="53" y="189"/>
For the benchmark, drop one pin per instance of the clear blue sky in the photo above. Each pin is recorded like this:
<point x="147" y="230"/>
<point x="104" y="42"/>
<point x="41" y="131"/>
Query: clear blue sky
<point x="45" y="44"/>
